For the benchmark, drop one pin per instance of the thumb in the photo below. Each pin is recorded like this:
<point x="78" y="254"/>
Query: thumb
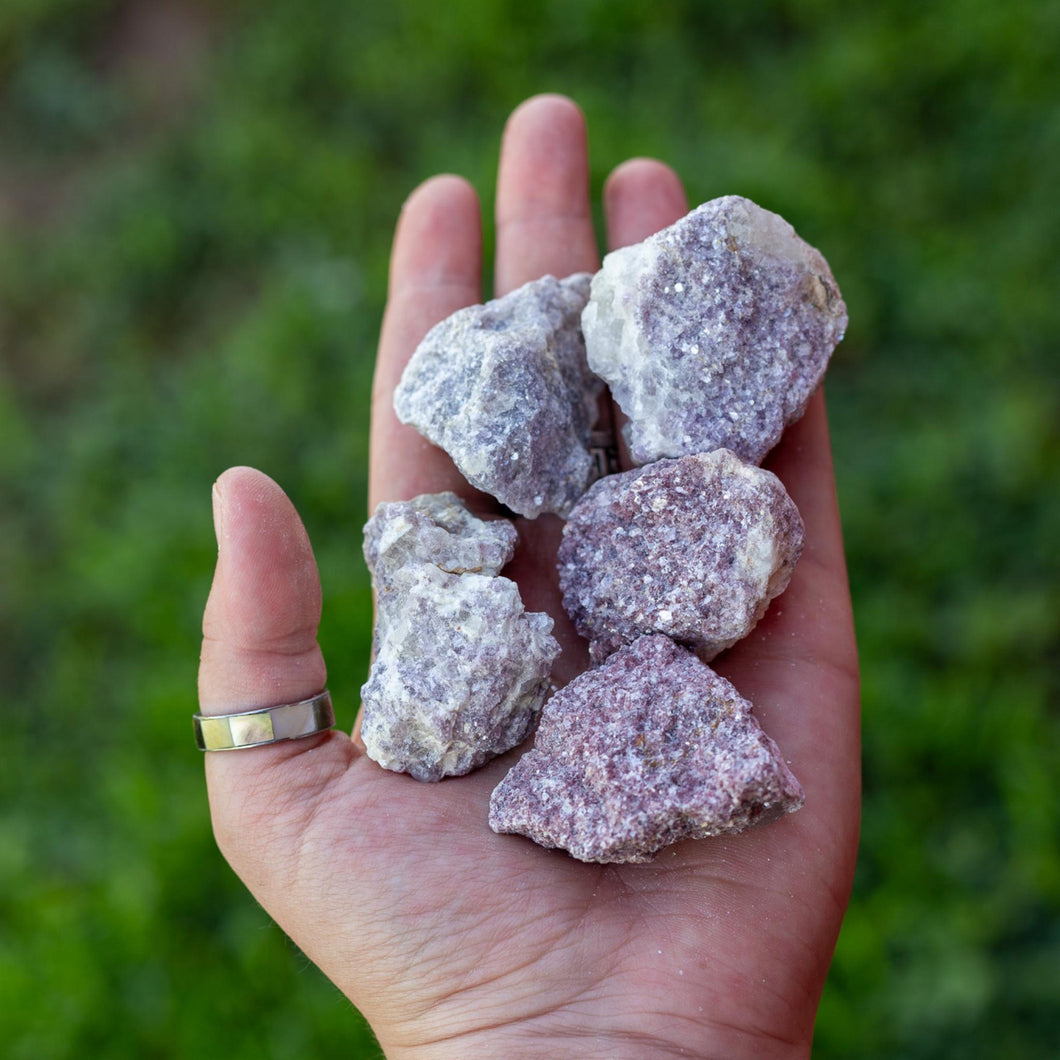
<point x="259" y="650"/>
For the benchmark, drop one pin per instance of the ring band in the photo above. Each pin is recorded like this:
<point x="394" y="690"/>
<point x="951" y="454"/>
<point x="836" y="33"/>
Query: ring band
<point x="256" y="728"/>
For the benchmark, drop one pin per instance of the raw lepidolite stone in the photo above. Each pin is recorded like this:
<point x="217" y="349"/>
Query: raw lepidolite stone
<point x="714" y="332"/>
<point x="435" y="528"/>
<point x="650" y="748"/>
<point x="505" y="390"/>
<point x="460" y="668"/>
<point x="694" y="548"/>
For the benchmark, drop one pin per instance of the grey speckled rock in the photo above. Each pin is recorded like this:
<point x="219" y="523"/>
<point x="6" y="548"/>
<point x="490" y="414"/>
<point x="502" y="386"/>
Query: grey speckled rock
<point x="435" y="528"/>
<point x="460" y="668"/>
<point x="504" y="389"/>
<point x="714" y="332"/>
<point x="648" y="749"/>
<point x="694" y="548"/>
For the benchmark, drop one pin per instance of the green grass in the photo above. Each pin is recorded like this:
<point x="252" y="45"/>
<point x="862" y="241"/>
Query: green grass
<point x="193" y="284"/>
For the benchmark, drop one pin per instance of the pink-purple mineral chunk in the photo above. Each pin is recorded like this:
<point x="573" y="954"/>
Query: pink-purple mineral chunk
<point x="650" y="748"/>
<point x="714" y="332"/>
<point x="694" y="548"/>
<point x="505" y="390"/>
<point x="460" y="669"/>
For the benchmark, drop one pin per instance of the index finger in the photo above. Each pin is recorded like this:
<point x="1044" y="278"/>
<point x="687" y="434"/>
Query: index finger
<point x="435" y="269"/>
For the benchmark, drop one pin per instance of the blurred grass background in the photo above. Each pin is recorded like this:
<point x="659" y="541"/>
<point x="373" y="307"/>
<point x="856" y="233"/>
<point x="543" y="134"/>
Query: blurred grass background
<point x="196" y="202"/>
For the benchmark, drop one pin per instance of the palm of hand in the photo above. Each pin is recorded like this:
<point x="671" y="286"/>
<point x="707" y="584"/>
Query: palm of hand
<point x="450" y="939"/>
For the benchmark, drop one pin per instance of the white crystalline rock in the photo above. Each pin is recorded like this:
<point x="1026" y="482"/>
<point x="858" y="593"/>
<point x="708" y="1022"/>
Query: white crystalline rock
<point x="435" y="528"/>
<point x="460" y="668"/>
<point x="505" y="390"/>
<point x="461" y="671"/>
<point x="714" y="332"/>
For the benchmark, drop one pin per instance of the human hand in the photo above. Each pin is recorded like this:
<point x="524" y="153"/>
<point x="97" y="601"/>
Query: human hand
<point x="454" y="941"/>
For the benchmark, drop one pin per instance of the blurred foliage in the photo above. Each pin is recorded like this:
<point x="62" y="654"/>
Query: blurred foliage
<point x="196" y="228"/>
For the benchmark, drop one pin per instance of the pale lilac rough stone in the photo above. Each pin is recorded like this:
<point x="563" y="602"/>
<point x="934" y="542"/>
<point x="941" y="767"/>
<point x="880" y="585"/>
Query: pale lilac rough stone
<point x="435" y="528"/>
<point x="714" y="332"/>
<point x="694" y="548"/>
<point x="460" y="668"/>
<point x="650" y="748"/>
<point x="505" y="390"/>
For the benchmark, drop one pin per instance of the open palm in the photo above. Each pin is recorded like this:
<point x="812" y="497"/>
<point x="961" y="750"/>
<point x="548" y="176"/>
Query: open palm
<point x="454" y="941"/>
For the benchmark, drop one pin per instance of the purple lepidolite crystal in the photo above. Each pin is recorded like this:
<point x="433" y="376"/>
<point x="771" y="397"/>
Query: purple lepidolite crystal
<point x="460" y="668"/>
<point x="648" y="749"/>
<point x="714" y="332"/>
<point x="694" y="548"/>
<point x="505" y="390"/>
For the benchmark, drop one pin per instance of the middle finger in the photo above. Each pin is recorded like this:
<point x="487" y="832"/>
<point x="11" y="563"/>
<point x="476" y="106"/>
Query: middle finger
<point x="543" y="218"/>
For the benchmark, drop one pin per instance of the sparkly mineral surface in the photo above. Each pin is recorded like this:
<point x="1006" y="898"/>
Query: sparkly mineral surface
<point x="714" y="332"/>
<point x="648" y="749"/>
<point x="694" y="548"/>
<point x="505" y="390"/>
<point x="460" y="668"/>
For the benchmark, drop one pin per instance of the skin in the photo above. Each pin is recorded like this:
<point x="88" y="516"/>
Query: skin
<point x="454" y="941"/>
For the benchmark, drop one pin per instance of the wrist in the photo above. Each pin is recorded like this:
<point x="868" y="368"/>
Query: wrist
<point x="687" y="1038"/>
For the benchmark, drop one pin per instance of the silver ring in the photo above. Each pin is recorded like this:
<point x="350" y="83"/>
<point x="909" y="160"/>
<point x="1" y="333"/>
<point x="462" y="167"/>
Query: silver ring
<point x="256" y="728"/>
